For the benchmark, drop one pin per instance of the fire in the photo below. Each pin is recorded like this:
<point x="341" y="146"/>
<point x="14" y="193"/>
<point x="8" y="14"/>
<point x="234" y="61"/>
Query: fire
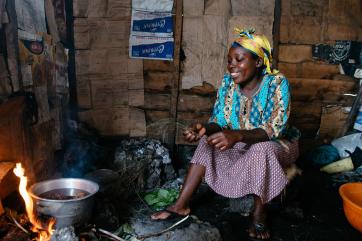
<point x="44" y="234"/>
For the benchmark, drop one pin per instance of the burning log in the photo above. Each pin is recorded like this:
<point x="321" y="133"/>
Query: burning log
<point x="15" y="234"/>
<point x="7" y="185"/>
<point x="1" y="208"/>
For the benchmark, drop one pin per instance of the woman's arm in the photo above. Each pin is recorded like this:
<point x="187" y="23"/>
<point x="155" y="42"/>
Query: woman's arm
<point x="228" y="138"/>
<point x="195" y="132"/>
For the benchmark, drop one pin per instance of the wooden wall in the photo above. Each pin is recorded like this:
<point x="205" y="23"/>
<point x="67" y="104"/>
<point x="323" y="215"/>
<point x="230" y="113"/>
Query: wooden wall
<point x="44" y="74"/>
<point x="110" y="86"/>
<point x="315" y="84"/>
<point x="167" y="95"/>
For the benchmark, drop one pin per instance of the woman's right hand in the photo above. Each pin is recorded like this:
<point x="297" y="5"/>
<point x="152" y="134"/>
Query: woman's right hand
<point x="194" y="132"/>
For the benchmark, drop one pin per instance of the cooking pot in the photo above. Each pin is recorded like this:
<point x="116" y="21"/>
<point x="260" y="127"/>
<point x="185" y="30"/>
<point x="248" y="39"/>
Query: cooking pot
<point x="73" y="211"/>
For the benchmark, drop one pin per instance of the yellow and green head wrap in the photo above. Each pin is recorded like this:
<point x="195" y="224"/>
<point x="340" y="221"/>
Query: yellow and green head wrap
<point x="257" y="44"/>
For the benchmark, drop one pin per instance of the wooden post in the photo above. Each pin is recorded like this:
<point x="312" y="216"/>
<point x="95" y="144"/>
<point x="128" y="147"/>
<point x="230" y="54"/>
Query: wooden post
<point x="176" y="61"/>
<point x="11" y="33"/>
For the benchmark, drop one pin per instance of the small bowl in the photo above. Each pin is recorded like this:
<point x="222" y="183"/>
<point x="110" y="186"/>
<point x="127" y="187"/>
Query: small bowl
<point x="351" y="194"/>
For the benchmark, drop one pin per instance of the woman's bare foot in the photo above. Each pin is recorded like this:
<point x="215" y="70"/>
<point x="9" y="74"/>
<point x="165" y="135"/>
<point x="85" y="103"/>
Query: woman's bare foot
<point x="170" y="211"/>
<point x="258" y="228"/>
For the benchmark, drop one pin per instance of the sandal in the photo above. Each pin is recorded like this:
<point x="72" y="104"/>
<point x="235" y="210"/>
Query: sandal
<point x="171" y="215"/>
<point x="260" y="229"/>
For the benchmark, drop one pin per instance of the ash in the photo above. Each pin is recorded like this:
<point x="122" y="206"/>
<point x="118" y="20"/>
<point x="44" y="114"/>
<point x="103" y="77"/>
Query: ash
<point x="64" y="234"/>
<point x="145" y="155"/>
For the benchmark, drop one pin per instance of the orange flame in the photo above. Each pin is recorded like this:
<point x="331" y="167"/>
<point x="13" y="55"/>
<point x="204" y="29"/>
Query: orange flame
<point x="43" y="233"/>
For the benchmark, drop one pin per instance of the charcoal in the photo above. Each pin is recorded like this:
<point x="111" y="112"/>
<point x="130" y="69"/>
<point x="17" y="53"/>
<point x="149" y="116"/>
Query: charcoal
<point x="144" y="158"/>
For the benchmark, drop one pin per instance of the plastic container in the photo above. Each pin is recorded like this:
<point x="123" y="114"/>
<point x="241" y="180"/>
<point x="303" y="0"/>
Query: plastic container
<point x="351" y="194"/>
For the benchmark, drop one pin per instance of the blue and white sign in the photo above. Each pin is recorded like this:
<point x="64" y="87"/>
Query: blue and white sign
<point x="160" y="48"/>
<point x="151" y="30"/>
<point x="149" y="23"/>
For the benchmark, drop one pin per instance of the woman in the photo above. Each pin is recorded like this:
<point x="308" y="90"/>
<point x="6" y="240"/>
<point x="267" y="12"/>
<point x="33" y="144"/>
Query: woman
<point x="247" y="142"/>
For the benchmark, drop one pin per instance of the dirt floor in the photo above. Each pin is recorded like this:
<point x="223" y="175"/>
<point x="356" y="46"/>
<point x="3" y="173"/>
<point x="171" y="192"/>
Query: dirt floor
<point x="311" y="211"/>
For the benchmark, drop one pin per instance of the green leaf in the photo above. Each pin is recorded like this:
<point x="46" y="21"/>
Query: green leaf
<point x="161" y="204"/>
<point x="161" y="198"/>
<point x="127" y="228"/>
<point x="163" y="193"/>
<point x="151" y="199"/>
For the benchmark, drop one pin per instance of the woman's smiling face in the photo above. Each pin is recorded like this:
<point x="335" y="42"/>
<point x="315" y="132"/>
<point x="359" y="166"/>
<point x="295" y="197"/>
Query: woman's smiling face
<point x="242" y="65"/>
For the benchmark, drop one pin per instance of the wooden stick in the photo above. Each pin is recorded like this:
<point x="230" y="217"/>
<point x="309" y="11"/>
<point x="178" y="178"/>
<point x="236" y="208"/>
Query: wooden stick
<point x="18" y="224"/>
<point x="110" y="235"/>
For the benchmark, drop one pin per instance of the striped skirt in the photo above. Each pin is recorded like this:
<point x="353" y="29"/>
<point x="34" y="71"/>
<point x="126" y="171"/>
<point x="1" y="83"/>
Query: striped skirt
<point x="247" y="169"/>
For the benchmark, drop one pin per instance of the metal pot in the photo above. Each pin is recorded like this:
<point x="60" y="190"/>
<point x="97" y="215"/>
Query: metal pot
<point x="66" y="212"/>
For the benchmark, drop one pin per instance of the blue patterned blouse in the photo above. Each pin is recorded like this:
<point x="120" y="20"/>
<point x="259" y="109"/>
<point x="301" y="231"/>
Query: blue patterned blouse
<point x="267" y="109"/>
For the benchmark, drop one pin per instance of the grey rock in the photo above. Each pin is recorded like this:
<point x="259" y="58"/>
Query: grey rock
<point x="191" y="230"/>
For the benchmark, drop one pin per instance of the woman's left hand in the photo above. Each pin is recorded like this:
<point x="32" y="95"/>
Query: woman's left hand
<point x="224" y="140"/>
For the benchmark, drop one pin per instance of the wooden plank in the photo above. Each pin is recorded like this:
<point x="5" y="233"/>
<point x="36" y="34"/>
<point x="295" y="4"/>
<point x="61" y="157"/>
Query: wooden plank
<point x="306" y="117"/>
<point x="195" y="103"/>
<point x="295" y="53"/>
<point x="43" y="150"/>
<point x="138" y="122"/>
<point x="136" y="98"/>
<point x="301" y="29"/>
<point x="290" y="70"/>
<point x="109" y="121"/>
<point x="206" y="89"/>
<point x="319" y="70"/>
<point x="157" y="102"/>
<point x="80" y="8"/>
<point x="325" y="90"/>
<point x="81" y="33"/>
<point x="5" y="85"/>
<point x="84" y="98"/>
<point x="158" y="65"/>
<point x="158" y="81"/>
<point x="156" y="115"/>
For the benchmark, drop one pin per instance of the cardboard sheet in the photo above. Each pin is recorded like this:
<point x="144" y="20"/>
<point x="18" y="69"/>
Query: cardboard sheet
<point x="217" y="7"/>
<point x="193" y="8"/>
<point x="332" y="121"/>
<point x="31" y="15"/>
<point x="204" y="44"/>
<point x="262" y="25"/>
